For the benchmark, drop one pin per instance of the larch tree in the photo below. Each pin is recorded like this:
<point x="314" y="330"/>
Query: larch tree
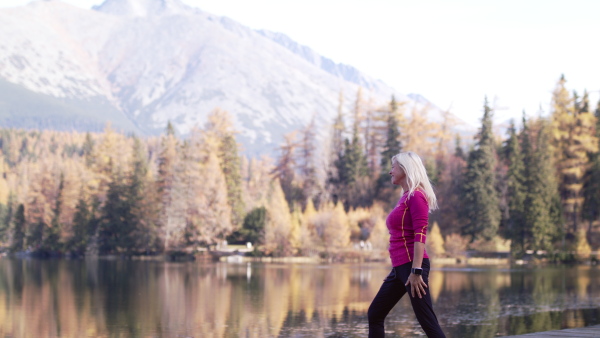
<point x="219" y="127"/>
<point x="481" y="212"/>
<point x="285" y="169"/>
<point x="278" y="224"/>
<point x="214" y="208"/>
<point x="307" y="155"/>
<point x="337" y="234"/>
<point x="573" y="139"/>
<point x="170" y="193"/>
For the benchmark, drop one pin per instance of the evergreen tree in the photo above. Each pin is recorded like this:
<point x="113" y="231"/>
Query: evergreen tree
<point x="482" y="215"/>
<point x="336" y="152"/>
<point x="516" y="181"/>
<point x="231" y="166"/>
<point x="141" y="199"/>
<point x="252" y="228"/>
<point x="81" y="227"/>
<point x="87" y="149"/>
<point x="352" y="168"/>
<point x="52" y="233"/>
<point x="6" y="217"/>
<point x="392" y="147"/>
<point x="18" y="235"/>
<point x="116" y="224"/>
<point x="591" y="188"/>
<point x="542" y="204"/>
<point x="458" y="150"/>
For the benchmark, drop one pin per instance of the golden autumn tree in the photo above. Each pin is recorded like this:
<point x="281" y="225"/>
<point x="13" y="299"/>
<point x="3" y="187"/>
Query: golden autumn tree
<point x="573" y="138"/>
<point x="279" y="223"/>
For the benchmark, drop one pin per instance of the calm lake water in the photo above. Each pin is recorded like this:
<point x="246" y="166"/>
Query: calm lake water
<point x="105" y="298"/>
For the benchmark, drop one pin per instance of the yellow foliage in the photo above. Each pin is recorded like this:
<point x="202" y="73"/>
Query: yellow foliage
<point x="296" y="229"/>
<point x="279" y="222"/>
<point x="380" y="235"/>
<point x="456" y="245"/>
<point x="435" y="241"/>
<point x="582" y="247"/>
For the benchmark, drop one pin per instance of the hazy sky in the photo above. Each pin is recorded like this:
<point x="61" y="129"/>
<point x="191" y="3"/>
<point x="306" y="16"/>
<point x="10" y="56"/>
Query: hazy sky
<point x="452" y="52"/>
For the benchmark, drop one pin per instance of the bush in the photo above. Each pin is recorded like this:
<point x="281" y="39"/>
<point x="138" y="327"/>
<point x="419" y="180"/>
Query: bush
<point x="456" y="245"/>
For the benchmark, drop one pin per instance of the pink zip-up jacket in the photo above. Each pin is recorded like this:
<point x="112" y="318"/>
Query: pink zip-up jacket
<point x="407" y="223"/>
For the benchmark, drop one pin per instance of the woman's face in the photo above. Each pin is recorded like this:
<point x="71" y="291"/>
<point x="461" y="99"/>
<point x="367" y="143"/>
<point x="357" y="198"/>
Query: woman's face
<point x="397" y="173"/>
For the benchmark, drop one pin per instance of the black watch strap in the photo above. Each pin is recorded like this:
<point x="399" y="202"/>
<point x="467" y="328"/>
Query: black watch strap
<point x="417" y="271"/>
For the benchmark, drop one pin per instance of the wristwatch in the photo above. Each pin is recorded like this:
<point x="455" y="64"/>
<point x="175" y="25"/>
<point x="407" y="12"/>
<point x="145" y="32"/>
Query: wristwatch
<point x="417" y="271"/>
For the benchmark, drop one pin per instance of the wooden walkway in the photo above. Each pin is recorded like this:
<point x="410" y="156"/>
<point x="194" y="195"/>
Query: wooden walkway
<point x="590" y="331"/>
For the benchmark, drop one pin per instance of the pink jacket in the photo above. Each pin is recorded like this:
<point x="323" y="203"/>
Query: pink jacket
<point x="407" y="223"/>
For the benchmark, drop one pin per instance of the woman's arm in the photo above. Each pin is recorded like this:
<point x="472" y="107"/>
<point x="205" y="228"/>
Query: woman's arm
<point x="417" y="284"/>
<point x="419" y="211"/>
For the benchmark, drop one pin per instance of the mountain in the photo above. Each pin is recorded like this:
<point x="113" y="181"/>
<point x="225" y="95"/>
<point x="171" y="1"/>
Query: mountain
<point x="142" y="63"/>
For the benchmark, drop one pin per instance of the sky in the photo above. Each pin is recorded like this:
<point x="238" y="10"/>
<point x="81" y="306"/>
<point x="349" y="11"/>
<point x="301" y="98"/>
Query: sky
<point x="455" y="53"/>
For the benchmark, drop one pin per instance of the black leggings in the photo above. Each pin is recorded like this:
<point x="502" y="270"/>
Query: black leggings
<point x="389" y="294"/>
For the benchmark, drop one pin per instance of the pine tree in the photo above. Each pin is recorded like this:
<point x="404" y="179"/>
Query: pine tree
<point x="542" y="204"/>
<point x="591" y="187"/>
<point x="231" y="166"/>
<point x="253" y="229"/>
<point x="52" y="240"/>
<point x="87" y="149"/>
<point x="116" y="223"/>
<point x="18" y="233"/>
<point x="142" y="201"/>
<point x="482" y="215"/>
<point x="392" y="147"/>
<point x="458" y="150"/>
<point x="517" y="193"/>
<point x="336" y="152"/>
<point x="81" y="227"/>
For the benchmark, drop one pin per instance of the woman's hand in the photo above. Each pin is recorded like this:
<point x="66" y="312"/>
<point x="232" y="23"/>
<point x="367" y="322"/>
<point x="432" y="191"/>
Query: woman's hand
<point x="416" y="284"/>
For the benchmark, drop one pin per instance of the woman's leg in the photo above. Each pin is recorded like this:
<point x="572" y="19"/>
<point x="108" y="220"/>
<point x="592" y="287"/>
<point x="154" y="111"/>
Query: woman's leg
<point x="389" y="294"/>
<point x="422" y="306"/>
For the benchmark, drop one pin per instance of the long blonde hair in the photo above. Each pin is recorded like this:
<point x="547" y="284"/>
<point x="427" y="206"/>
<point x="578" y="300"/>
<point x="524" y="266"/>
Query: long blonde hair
<point x="416" y="176"/>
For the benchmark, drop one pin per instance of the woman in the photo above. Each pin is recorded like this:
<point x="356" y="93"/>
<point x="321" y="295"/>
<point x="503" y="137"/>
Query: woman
<point x="407" y="225"/>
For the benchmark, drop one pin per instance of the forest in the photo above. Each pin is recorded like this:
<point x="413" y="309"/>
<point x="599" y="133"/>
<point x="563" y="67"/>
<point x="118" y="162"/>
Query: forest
<point x="534" y="188"/>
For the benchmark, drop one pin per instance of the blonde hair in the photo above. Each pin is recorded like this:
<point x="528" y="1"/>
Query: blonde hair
<point x="416" y="176"/>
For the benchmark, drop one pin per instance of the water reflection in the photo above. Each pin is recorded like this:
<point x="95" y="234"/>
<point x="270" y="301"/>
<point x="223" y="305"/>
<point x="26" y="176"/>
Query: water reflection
<point x="104" y="298"/>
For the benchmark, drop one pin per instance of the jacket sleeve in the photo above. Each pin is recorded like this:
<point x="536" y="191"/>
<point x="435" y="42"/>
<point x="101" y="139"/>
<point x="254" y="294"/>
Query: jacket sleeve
<point x="419" y="212"/>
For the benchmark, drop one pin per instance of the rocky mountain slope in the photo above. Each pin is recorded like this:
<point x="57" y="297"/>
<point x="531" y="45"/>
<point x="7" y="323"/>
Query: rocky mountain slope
<point x="142" y="63"/>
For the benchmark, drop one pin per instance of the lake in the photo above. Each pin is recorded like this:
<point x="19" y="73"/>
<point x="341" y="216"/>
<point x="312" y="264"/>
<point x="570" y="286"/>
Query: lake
<point x="132" y="298"/>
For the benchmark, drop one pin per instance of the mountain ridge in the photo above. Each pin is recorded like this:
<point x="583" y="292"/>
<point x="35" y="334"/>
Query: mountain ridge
<point x="161" y="61"/>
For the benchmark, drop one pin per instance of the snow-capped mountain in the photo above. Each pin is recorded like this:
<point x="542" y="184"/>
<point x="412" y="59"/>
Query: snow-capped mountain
<point x="142" y="63"/>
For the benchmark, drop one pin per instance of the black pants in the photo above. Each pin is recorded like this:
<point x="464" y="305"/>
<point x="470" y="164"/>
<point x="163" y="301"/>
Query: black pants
<point x="389" y="294"/>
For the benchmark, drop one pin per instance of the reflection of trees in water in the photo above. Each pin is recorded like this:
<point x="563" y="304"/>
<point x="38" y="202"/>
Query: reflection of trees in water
<point x="134" y="298"/>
